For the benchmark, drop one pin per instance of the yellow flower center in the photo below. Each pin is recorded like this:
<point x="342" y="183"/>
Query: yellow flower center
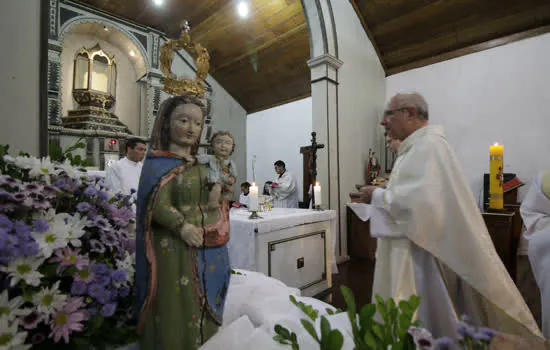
<point x="23" y="269"/>
<point x="71" y="259"/>
<point x="61" y="319"/>
<point x="50" y="238"/>
<point x="4" y="311"/>
<point x="5" y="339"/>
<point x="46" y="300"/>
<point x="83" y="274"/>
<point x="44" y="170"/>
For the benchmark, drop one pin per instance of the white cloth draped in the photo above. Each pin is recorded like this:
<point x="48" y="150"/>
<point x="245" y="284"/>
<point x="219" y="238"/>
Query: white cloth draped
<point x="286" y="194"/>
<point x="535" y="211"/>
<point x="435" y="229"/>
<point x="243" y="199"/>
<point x="123" y="175"/>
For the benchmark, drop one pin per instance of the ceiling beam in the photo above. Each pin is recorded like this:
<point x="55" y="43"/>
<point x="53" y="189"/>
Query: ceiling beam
<point x="369" y="33"/>
<point x="470" y="49"/>
<point x="261" y="47"/>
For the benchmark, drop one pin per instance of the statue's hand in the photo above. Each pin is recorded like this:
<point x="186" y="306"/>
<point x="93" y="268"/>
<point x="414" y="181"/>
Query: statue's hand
<point x="229" y="179"/>
<point x="190" y="235"/>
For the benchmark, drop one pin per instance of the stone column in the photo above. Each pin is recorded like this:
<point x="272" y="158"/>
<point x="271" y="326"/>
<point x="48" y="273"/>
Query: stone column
<point x="324" y="93"/>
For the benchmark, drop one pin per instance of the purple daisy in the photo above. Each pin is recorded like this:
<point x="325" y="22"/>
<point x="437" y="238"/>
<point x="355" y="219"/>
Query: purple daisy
<point x="109" y="239"/>
<point x="100" y="269"/>
<point x="33" y="188"/>
<point x="8" y="180"/>
<point x="41" y="225"/>
<point x="19" y="196"/>
<point x="67" y="257"/>
<point x="118" y="275"/>
<point x="103" y="195"/>
<point x="29" y="248"/>
<point x="85" y="275"/>
<point x="78" y="288"/>
<point x="83" y="207"/>
<point x="5" y="223"/>
<point x="97" y="246"/>
<point x="95" y="290"/>
<point x="49" y="191"/>
<point x="90" y="191"/>
<point x="124" y="291"/>
<point x="108" y="310"/>
<point x="31" y="320"/>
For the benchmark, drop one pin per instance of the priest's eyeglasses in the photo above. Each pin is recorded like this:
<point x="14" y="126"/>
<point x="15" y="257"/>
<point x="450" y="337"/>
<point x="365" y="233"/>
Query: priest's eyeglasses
<point x="389" y="113"/>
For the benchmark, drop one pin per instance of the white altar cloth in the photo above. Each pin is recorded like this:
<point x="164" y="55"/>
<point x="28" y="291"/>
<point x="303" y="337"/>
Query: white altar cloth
<point x="242" y="242"/>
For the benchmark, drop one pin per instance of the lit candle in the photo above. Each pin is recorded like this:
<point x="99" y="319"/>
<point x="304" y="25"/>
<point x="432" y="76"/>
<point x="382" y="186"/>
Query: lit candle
<point x="253" y="197"/>
<point x="496" y="192"/>
<point x="317" y="194"/>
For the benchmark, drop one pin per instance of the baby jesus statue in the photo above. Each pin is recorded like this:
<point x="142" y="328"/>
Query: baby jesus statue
<point x="222" y="173"/>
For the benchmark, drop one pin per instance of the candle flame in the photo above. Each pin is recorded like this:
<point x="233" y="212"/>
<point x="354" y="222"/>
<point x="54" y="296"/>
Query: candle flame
<point x="253" y="184"/>
<point x="317" y="184"/>
<point x="496" y="144"/>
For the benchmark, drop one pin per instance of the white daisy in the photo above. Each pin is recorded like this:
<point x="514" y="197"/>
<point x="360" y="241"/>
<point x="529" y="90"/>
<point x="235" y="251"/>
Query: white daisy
<point x="76" y="224"/>
<point x="57" y="235"/>
<point x="127" y="265"/>
<point x="42" y="167"/>
<point x="10" y="309"/>
<point x="24" y="268"/>
<point x="10" y="338"/>
<point x="49" y="300"/>
<point x="25" y="162"/>
<point x="69" y="170"/>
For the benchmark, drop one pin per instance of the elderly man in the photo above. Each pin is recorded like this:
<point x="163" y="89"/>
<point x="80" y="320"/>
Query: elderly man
<point x="434" y="222"/>
<point x="123" y="176"/>
<point x="535" y="211"/>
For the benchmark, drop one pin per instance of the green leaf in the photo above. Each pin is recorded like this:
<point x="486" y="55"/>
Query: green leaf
<point x="335" y="340"/>
<point x="367" y="312"/>
<point x="349" y="298"/>
<point x="96" y="322"/>
<point x="282" y="331"/>
<point x="325" y="327"/>
<point x="404" y="323"/>
<point x="310" y="329"/>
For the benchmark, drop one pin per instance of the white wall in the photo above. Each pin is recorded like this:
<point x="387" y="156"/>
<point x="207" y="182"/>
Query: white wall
<point x="361" y="95"/>
<point x="498" y="95"/>
<point x="19" y="74"/>
<point x="277" y="134"/>
<point x="128" y="93"/>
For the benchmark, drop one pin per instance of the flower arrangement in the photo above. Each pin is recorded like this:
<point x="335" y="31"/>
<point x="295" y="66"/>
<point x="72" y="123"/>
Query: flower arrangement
<point x="66" y="257"/>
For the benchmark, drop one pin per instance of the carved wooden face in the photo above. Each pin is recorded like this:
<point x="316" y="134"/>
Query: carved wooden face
<point x="222" y="145"/>
<point x="186" y="124"/>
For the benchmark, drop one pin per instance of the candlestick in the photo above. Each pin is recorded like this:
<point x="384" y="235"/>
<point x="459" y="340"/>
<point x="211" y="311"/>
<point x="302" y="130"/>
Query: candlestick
<point x="317" y="192"/>
<point x="253" y="197"/>
<point x="496" y="192"/>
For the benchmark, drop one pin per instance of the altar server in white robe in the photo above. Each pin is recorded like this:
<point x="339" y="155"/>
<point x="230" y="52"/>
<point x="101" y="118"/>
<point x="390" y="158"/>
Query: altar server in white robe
<point x="284" y="187"/>
<point x="123" y="175"/>
<point x="535" y="211"/>
<point x="450" y="254"/>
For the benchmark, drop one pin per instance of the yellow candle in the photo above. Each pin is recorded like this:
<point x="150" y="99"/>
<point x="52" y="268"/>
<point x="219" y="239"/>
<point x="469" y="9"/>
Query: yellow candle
<point x="496" y="193"/>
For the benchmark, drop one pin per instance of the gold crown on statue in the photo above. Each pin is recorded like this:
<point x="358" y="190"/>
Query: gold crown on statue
<point x="175" y="85"/>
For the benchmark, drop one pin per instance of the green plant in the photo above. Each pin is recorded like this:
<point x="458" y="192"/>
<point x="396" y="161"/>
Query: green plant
<point x="368" y="333"/>
<point x="58" y="155"/>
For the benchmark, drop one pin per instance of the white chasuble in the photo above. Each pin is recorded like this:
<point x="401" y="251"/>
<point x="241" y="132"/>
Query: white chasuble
<point x="286" y="194"/>
<point x="123" y="176"/>
<point x="535" y="211"/>
<point x="456" y="268"/>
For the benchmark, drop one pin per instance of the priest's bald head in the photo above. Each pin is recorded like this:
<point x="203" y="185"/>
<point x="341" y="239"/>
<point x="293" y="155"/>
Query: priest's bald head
<point x="405" y="114"/>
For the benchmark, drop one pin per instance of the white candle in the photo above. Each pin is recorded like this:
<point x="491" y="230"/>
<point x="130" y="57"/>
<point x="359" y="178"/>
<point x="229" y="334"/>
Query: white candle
<point x="253" y="197"/>
<point x="317" y="194"/>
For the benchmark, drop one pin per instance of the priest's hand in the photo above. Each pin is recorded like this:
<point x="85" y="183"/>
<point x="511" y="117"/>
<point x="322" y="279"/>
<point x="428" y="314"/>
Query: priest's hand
<point x="364" y="195"/>
<point x="190" y="235"/>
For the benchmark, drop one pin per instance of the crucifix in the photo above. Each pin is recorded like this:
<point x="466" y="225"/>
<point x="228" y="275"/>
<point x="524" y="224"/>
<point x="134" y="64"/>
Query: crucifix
<point x="311" y="152"/>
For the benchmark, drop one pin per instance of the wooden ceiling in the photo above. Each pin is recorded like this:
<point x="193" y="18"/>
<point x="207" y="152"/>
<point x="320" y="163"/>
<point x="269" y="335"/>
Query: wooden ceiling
<point x="260" y="60"/>
<point x="413" y="33"/>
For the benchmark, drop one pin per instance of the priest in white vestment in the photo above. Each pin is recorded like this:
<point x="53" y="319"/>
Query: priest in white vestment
<point x="535" y="211"/>
<point x="435" y="232"/>
<point x="123" y="175"/>
<point x="284" y="187"/>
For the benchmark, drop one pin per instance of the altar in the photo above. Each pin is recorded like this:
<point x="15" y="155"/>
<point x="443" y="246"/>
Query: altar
<point x="295" y="246"/>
